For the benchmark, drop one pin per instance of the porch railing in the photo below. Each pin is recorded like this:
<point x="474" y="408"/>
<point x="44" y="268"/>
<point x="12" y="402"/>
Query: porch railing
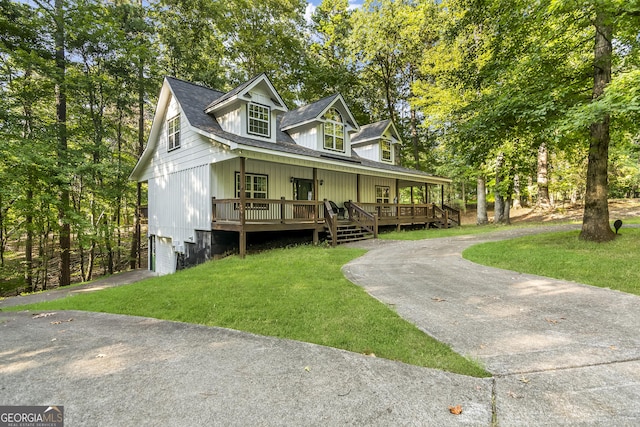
<point x="364" y="219"/>
<point x="366" y="215"/>
<point x="267" y="210"/>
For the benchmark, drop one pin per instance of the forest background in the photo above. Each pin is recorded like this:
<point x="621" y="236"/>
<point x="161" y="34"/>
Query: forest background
<point x="518" y="101"/>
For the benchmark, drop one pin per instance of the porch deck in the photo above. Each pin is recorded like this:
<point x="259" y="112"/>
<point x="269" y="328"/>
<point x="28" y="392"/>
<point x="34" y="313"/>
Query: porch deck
<point x="279" y="214"/>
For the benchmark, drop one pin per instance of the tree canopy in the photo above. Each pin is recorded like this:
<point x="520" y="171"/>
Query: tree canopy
<point x="525" y="96"/>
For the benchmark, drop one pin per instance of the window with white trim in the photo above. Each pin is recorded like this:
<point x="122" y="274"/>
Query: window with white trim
<point x="382" y="194"/>
<point x="258" y="122"/>
<point x="333" y="131"/>
<point x="385" y="150"/>
<point x="173" y="133"/>
<point x="255" y="187"/>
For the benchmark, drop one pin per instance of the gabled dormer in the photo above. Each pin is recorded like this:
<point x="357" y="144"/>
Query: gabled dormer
<point x="325" y="125"/>
<point x="377" y="141"/>
<point x="249" y="110"/>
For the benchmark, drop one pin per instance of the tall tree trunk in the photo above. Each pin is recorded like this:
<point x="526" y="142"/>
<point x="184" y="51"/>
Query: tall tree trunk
<point x="61" y="122"/>
<point x="595" y="222"/>
<point x="136" y="256"/>
<point x="414" y="138"/>
<point x="481" y="211"/>
<point x="517" y="201"/>
<point x="499" y="210"/>
<point x="543" y="178"/>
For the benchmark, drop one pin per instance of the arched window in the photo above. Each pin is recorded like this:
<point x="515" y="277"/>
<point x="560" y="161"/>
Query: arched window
<point x="333" y="130"/>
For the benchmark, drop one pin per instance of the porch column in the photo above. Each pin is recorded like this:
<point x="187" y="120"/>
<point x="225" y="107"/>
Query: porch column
<point x="358" y="188"/>
<point x="315" y="213"/>
<point x="442" y="196"/>
<point x="397" y="203"/>
<point x="243" y="198"/>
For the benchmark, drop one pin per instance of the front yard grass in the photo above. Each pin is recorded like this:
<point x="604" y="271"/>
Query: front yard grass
<point x="562" y="255"/>
<point x="296" y="293"/>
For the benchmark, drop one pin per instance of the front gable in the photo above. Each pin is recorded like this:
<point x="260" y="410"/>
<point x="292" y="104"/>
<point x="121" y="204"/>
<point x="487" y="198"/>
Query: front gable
<point x="250" y="110"/>
<point x="377" y="142"/>
<point x="325" y="126"/>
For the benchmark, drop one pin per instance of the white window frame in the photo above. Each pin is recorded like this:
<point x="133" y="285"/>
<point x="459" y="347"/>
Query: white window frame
<point x="251" y="181"/>
<point x="258" y="118"/>
<point x="333" y="131"/>
<point x="383" y="194"/>
<point x="384" y="151"/>
<point x="173" y="133"/>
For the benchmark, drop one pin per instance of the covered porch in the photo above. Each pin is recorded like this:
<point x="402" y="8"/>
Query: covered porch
<point x="345" y="202"/>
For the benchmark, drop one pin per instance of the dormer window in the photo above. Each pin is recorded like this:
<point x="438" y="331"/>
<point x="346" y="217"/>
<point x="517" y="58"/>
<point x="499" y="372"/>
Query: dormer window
<point x="173" y="133"/>
<point x="258" y="123"/>
<point x="333" y="131"/>
<point x="385" y="150"/>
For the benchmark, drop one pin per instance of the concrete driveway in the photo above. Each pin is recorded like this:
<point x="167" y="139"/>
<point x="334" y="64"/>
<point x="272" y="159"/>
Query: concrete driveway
<point x="561" y="354"/>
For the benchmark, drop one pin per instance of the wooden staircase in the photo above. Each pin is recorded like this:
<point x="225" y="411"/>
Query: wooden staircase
<point x="350" y="232"/>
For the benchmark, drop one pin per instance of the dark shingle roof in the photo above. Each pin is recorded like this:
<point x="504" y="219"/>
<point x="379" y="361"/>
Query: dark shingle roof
<point x="306" y="112"/>
<point x="231" y="94"/>
<point x="194" y="99"/>
<point x="371" y="131"/>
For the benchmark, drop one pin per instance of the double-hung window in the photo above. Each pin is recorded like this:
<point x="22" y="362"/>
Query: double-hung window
<point x="382" y="194"/>
<point x="333" y="131"/>
<point x="258" y="123"/>
<point x="173" y="133"/>
<point x="255" y="187"/>
<point x="385" y="148"/>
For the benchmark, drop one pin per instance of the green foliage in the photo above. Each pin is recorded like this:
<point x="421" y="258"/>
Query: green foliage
<point x="298" y="293"/>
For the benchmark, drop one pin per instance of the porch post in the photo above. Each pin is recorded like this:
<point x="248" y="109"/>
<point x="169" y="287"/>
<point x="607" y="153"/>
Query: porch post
<point x="315" y="213"/>
<point x="243" y="198"/>
<point x="442" y="196"/>
<point x="397" y="202"/>
<point x="358" y="188"/>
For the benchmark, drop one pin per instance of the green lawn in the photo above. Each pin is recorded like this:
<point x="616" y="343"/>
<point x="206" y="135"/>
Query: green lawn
<point x="613" y="265"/>
<point x="296" y="293"/>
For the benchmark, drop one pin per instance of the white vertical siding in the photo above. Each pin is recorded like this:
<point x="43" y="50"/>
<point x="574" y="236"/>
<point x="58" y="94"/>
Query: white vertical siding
<point x="308" y="137"/>
<point x="368" y="188"/>
<point x="371" y="152"/>
<point x="230" y="122"/>
<point x="195" y="149"/>
<point x="180" y="203"/>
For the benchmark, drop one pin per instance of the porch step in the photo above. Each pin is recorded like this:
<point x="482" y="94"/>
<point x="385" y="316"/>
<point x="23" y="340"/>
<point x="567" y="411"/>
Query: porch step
<point x="351" y="233"/>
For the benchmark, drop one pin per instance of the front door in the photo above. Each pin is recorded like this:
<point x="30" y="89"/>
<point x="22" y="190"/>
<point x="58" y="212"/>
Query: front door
<point x="303" y="189"/>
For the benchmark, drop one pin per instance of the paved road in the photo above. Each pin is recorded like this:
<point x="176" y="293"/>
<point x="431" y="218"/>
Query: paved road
<point x="561" y="354"/>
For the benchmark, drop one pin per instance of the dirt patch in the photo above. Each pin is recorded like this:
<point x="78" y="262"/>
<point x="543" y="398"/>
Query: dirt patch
<point x="618" y="209"/>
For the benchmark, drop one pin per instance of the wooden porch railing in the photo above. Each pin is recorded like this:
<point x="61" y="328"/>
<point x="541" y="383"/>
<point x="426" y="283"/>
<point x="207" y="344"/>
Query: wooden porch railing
<point x="331" y="222"/>
<point x="267" y="211"/>
<point x="362" y="218"/>
<point x="366" y="215"/>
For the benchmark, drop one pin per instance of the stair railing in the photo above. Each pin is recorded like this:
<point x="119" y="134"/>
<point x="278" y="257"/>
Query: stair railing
<point x="331" y="220"/>
<point x="362" y="218"/>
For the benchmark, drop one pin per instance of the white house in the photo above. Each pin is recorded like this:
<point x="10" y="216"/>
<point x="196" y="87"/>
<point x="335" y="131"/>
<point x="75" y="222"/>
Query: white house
<point x="221" y="165"/>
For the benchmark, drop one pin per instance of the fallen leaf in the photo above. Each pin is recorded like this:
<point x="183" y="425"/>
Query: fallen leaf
<point x="613" y="347"/>
<point x="308" y="369"/>
<point x="524" y="380"/>
<point x="41" y="315"/>
<point x="57" y="322"/>
<point x="436" y="299"/>
<point x="552" y="321"/>
<point x="455" y="410"/>
<point x="100" y="356"/>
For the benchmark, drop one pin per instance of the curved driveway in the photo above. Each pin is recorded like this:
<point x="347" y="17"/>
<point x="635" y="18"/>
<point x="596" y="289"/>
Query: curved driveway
<point x="561" y="352"/>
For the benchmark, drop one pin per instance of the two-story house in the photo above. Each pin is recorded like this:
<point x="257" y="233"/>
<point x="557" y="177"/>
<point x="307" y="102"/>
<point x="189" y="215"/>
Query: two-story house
<point x="228" y="164"/>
